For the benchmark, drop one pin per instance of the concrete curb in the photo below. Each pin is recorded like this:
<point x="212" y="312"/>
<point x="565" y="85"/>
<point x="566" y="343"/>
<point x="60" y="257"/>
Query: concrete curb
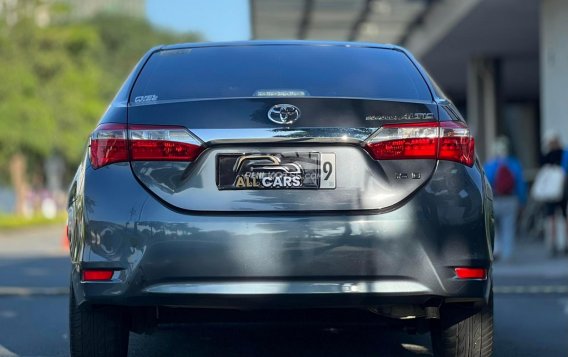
<point x="19" y="291"/>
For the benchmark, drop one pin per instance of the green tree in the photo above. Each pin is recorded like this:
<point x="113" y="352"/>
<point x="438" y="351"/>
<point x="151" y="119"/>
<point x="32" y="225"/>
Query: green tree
<point x="56" y="81"/>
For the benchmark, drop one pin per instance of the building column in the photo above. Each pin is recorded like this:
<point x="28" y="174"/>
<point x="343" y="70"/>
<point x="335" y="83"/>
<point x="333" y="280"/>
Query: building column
<point x="483" y="102"/>
<point x="554" y="68"/>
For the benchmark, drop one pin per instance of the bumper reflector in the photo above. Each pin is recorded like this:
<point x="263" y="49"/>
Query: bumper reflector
<point x="97" y="275"/>
<point x="471" y="273"/>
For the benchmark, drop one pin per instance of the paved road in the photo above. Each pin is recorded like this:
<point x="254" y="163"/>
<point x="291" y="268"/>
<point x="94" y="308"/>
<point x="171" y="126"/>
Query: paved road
<point x="531" y="314"/>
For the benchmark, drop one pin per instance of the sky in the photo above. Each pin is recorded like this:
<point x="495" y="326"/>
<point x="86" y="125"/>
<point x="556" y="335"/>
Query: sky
<point x="216" y="20"/>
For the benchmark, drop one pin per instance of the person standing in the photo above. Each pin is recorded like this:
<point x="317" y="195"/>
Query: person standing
<point x="555" y="156"/>
<point x="505" y="174"/>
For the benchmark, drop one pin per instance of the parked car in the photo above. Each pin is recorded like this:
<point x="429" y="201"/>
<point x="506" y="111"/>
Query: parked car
<point x="268" y="179"/>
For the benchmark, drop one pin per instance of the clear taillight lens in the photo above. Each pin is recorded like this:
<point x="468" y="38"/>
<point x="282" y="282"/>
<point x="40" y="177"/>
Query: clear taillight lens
<point x="432" y="140"/>
<point x="117" y="143"/>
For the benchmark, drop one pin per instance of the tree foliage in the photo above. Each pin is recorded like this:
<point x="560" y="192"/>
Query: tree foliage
<point x="56" y="81"/>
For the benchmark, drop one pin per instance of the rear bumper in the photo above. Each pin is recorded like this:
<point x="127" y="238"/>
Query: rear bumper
<point x="289" y="295"/>
<point x="357" y="259"/>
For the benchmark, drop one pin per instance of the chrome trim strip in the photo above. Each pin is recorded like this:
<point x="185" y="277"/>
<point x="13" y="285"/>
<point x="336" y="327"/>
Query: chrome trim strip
<point x="186" y="100"/>
<point x="277" y="288"/>
<point x="271" y="135"/>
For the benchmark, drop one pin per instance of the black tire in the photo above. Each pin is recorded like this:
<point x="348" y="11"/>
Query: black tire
<point x="464" y="332"/>
<point x="97" y="330"/>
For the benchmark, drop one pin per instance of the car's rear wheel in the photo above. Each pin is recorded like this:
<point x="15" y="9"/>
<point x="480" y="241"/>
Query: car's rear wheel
<point x="464" y="332"/>
<point x="97" y="330"/>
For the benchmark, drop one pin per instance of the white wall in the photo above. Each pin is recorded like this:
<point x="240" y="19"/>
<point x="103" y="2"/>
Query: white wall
<point x="554" y="67"/>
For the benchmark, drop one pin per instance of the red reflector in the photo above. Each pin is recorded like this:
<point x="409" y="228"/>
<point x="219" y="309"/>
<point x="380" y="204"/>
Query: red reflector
<point x="97" y="275"/>
<point x="471" y="273"/>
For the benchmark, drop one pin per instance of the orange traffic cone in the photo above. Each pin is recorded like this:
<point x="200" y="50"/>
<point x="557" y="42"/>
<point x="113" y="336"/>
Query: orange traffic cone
<point x="65" y="240"/>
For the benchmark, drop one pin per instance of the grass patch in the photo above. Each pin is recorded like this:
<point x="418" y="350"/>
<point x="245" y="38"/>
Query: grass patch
<point x="16" y="222"/>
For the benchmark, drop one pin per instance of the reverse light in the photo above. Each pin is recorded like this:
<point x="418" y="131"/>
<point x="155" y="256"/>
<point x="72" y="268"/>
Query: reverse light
<point x="97" y="275"/>
<point x="470" y="273"/>
<point x="112" y="143"/>
<point x="431" y="140"/>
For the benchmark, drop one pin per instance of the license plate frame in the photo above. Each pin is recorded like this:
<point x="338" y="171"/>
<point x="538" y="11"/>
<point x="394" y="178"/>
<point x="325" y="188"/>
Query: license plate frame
<point x="287" y="170"/>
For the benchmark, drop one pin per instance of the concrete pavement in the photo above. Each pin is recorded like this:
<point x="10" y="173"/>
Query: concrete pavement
<point x="37" y="241"/>
<point x="33" y="262"/>
<point x="531" y="259"/>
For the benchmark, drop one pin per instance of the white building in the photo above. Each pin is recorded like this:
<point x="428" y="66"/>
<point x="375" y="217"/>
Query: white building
<point x="503" y="62"/>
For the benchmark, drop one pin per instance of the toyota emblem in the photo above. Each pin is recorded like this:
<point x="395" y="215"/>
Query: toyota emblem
<point x="284" y="114"/>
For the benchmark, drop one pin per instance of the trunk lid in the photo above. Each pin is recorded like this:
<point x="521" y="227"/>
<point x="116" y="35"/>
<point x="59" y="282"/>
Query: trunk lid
<point x="240" y="128"/>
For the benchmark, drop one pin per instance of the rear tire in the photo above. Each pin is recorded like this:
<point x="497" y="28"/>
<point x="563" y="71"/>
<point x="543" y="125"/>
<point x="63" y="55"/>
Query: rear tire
<point x="97" y="330"/>
<point x="464" y="332"/>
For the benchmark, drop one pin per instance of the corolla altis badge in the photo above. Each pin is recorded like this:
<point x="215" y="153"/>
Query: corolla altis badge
<point x="284" y="114"/>
<point x="407" y="116"/>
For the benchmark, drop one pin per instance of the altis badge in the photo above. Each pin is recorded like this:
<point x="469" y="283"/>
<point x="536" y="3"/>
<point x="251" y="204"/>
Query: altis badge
<point x="398" y="117"/>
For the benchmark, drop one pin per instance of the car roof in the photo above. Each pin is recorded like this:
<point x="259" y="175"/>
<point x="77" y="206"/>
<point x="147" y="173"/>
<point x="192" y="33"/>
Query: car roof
<point x="280" y="43"/>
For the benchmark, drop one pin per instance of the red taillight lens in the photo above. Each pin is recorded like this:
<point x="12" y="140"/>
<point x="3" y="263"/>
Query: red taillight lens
<point x="471" y="273"/>
<point x="432" y="140"/>
<point x="405" y="141"/>
<point x="97" y="275"/>
<point x="456" y="143"/>
<point x="108" y="145"/>
<point x="112" y="143"/>
<point x="148" y="143"/>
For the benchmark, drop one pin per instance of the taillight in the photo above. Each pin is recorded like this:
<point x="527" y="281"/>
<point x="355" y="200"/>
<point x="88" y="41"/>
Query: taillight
<point x="108" y="145"/>
<point x="432" y="140"/>
<point x="118" y="143"/>
<point x="456" y="143"/>
<point x="148" y="143"/>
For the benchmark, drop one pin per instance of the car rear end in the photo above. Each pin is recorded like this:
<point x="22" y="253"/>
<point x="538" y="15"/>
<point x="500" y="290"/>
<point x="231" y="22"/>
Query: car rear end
<point x="280" y="176"/>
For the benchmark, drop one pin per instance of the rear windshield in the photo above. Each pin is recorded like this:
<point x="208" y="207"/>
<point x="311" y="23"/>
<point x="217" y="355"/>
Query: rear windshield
<point x="279" y="70"/>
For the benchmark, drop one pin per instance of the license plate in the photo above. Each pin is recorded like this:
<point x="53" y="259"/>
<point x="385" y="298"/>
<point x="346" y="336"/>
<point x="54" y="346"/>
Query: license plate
<point x="284" y="170"/>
